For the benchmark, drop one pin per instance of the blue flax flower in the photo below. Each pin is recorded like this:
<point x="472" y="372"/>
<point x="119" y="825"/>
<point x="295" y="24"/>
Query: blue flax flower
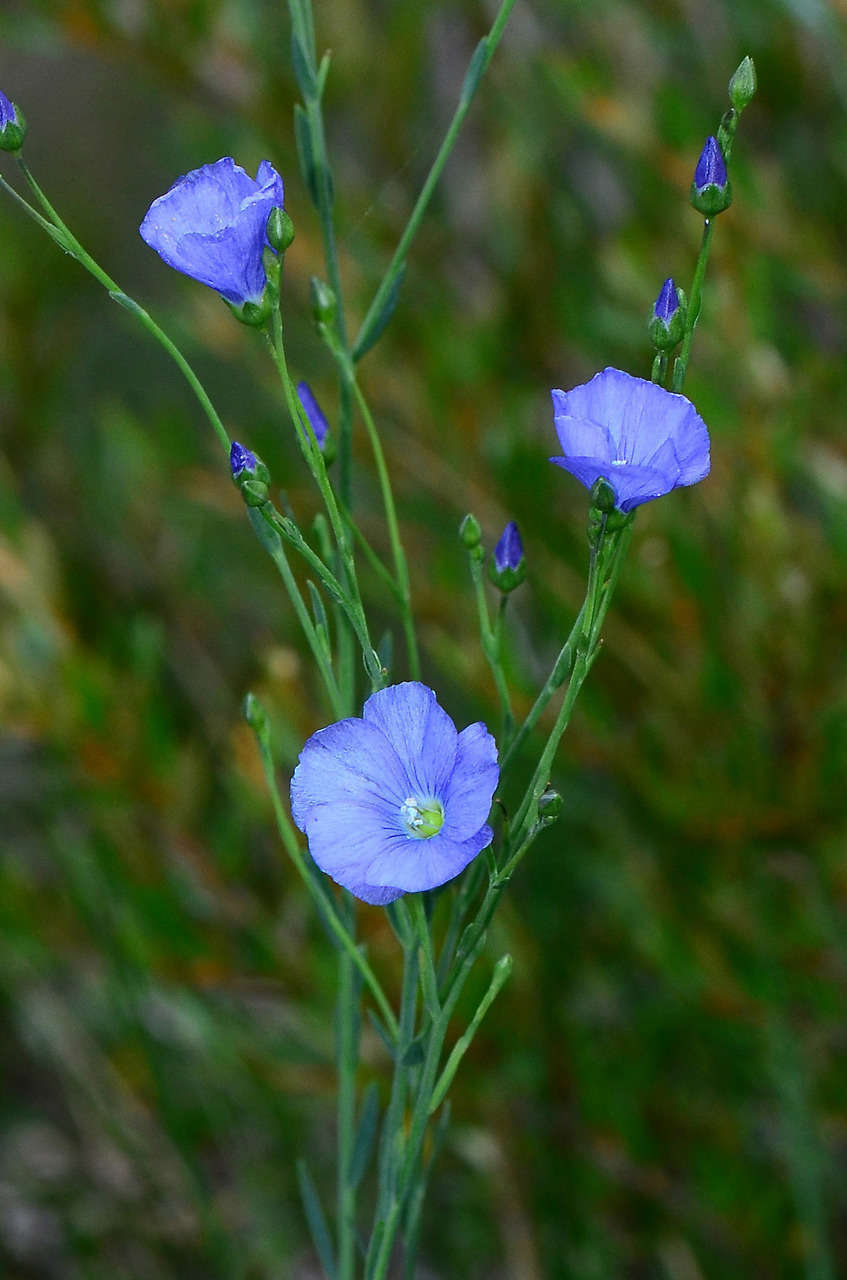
<point x="642" y="439"/>
<point x="211" y="226"/>
<point x="397" y="801"/>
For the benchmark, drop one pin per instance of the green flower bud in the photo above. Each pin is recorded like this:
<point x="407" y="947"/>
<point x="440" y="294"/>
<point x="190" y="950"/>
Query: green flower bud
<point x="742" y="85"/>
<point x="470" y="532"/>
<point x="280" y="230"/>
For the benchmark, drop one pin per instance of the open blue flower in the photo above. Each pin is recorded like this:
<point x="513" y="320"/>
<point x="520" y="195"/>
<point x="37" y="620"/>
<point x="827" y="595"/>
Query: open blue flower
<point x="397" y="801"/>
<point x="644" y="440"/>
<point x="211" y="226"/>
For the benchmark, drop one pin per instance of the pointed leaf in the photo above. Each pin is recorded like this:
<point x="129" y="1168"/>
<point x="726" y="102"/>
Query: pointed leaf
<point x="365" y="1134"/>
<point x="305" y="154"/>
<point x="316" y="1220"/>
<point x="376" y="323"/>
<point x="303" y="69"/>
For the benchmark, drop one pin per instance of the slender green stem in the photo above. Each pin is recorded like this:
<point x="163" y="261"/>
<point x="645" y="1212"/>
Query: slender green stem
<point x="353" y="611"/>
<point x="319" y="651"/>
<point x="392" y="1129"/>
<point x="315" y="461"/>
<point x="681" y="364"/>
<point x="558" y="674"/>
<point x="347" y="1021"/>
<point x="324" y="901"/>
<point x="420" y="1117"/>
<point x="401" y="567"/>
<point x="381" y="570"/>
<point x="492" y="642"/>
<point x="429" y="982"/>
<point x="321" y="185"/>
<point x="606" y="560"/>
<point x="75" y="249"/>
<point x="479" y="63"/>
<point x="502" y="969"/>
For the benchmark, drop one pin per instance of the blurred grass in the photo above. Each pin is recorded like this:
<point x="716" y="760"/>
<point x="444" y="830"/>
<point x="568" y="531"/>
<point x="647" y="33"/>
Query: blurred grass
<point x="660" y="1092"/>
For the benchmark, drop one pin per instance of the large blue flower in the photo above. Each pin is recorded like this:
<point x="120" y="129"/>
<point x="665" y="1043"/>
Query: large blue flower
<point x="396" y="802"/>
<point x="644" y="440"/>
<point x="211" y="226"/>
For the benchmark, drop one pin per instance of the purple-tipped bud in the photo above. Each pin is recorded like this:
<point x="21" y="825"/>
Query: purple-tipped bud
<point x="509" y="550"/>
<point x="666" y="323"/>
<point x="711" y="192"/>
<point x="667" y="303"/>
<point x="507" y="568"/>
<point x="241" y="459"/>
<point x="314" y="413"/>
<point x="8" y="112"/>
<point x="12" y="125"/>
<point x="711" y="167"/>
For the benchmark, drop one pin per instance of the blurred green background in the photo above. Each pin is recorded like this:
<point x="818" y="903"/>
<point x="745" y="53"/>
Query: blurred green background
<point x="661" y="1089"/>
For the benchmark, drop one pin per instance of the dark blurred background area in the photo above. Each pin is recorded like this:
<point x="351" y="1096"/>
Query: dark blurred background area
<point x="660" y="1091"/>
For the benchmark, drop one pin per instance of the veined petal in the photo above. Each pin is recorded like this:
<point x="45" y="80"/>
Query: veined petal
<point x="582" y="438"/>
<point x="348" y="762"/>
<point x="421" y="732"/>
<point x="426" y="864"/>
<point x="476" y="773"/>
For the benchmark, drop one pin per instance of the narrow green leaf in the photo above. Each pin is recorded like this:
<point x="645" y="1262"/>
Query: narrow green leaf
<point x="365" y="1134"/>
<point x="318" y="611"/>
<point x="323" y="72"/>
<point x="414" y="1055"/>
<point x="316" y="1220"/>
<point x="303" y="69"/>
<point x="305" y="154"/>
<point x="473" y="75"/>
<point x="268" y="537"/>
<point x="379" y="1027"/>
<point x="376" y="322"/>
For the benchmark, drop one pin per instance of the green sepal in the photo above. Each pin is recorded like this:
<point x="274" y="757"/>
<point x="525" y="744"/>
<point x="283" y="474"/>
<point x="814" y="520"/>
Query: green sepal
<point x="12" y="137"/>
<point x="711" y="199"/>
<point x="254" y="314"/>
<point x="506" y="580"/>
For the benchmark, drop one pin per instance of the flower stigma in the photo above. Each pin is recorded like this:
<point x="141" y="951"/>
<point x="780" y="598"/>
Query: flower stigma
<point x="422" y="818"/>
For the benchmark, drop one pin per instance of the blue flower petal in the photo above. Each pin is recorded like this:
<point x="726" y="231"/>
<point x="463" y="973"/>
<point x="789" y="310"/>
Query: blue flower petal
<point x="211" y="225"/>
<point x="467" y="799"/>
<point x="426" y="864"/>
<point x="350" y="761"/>
<point x="421" y="732"/>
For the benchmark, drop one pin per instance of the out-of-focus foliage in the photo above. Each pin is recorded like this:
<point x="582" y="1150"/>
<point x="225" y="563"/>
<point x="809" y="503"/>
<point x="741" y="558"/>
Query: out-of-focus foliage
<point x="661" y="1090"/>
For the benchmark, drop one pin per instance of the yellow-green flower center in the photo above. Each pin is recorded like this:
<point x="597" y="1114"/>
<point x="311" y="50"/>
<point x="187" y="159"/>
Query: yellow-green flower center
<point x="422" y="818"/>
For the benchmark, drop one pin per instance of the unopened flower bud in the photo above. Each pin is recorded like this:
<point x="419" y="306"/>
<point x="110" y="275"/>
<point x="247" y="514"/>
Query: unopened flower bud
<point x="507" y="567"/>
<point x="12" y="125"/>
<point x="323" y="302"/>
<point x="255" y="714"/>
<point x="250" y="474"/>
<point x="667" y="319"/>
<point x="470" y="532"/>
<point x="742" y="85"/>
<point x="280" y="230"/>
<point x="550" y="805"/>
<point x="711" y="191"/>
<point x="314" y="413"/>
